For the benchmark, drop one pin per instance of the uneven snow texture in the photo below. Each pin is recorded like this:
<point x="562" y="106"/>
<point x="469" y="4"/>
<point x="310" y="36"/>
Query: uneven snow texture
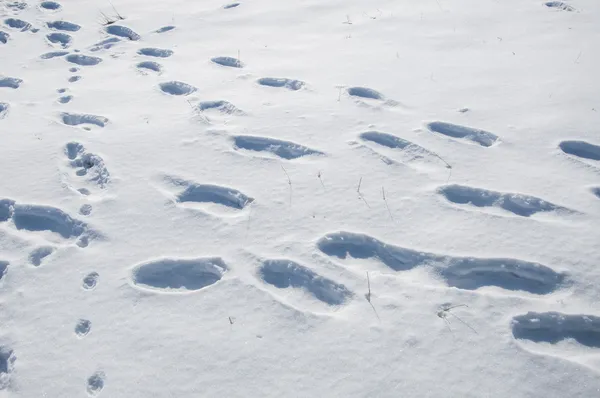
<point x="300" y="198"/>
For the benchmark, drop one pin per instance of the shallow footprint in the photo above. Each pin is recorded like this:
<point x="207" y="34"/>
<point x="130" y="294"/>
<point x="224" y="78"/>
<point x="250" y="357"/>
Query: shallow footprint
<point x="38" y="255"/>
<point x="95" y="383"/>
<point x="177" y="88"/>
<point x="74" y="119"/>
<point x="82" y="328"/>
<point x="228" y="61"/>
<point x="90" y="281"/>
<point x="155" y="52"/>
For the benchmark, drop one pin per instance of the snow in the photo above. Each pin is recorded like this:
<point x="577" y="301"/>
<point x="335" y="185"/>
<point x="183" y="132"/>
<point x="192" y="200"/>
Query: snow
<point x="300" y="198"/>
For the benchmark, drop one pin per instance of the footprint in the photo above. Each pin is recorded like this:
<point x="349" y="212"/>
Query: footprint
<point x="3" y="268"/>
<point x="468" y="273"/>
<point x="85" y="210"/>
<point x="581" y="149"/>
<point x="63" y="25"/>
<point x="39" y="254"/>
<point x="74" y="79"/>
<point x="87" y="164"/>
<point x="62" y="39"/>
<point x="364" y="92"/>
<point x="73" y="69"/>
<point x="10" y="82"/>
<point x="232" y="5"/>
<point x="155" y="52"/>
<point x="53" y="54"/>
<point x="596" y="191"/>
<point x="105" y="44"/>
<point x="18" y="24"/>
<point x="283" y="149"/>
<point x="290" y="84"/>
<point x="4" y="37"/>
<point x="82" y="328"/>
<point x="164" y="29"/>
<point x="407" y="148"/>
<point x="7" y="364"/>
<point x="179" y="275"/>
<point x="74" y="119"/>
<point x="95" y="383"/>
<point x="285" y="273"/>
<point x="50" y="5"/>
<point x="36" y="218"/>
<point x="559" y="5"/>
<point x="554" y="327"/>
<point x="83" y="60"/>
<point x="211" y="194"/>
<point x="65" y="99"/>
<point x="122" y="31"/>
<point x="480" y="137"/>
<point x="220" y="106"/>
<point x="177" y="88"/>
<point x="90" y="281"/>
<point x="4" y="107"/>
<point x="518" y="204"/>
<point x="228" y="61"/>
<point x="150" y="65"/>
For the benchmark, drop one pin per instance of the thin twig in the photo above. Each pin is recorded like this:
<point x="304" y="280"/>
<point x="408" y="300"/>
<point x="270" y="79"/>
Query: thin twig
<point x="386" y="203"/>
<point x="465" y="323"/>
<point x="321" y="179"/>
<point x="368" y="297"/>
<point x="117" y="12"/>
<point x="289" y="182"/>
<point x="360" y="195"/>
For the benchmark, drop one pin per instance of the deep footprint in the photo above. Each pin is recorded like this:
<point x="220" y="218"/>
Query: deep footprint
<point x="283" y="149"/>
<point x="467" y="273"/>
<point x="4" y="107"/>
<point x="87" y="164"/>
<point x="179" y="275"/>
<point x="95" y="383"/>
<point x="3" y="268"/>
<point x="553" y="327"/>
<point x="19" y="24"/>
<point x="177" y="88"/>
<point x="290" y="84"/>
<point x="90" y="281"/>
<point x="73" y="119"/>
<point x="54" y="54"/>
<point x="519" y="204"/>
<point x="10" y="82"/>
<point x="232" y="5"/>
<point x="285" y="273"/>
<point x="559" y="5"/>
<point x="82" y="328"/>
<point x="4" y="37"/>
<point x="83" y="60"/>
<point x="581" y="149"/>
<point x="149" y="65"/>
<point x="38" y="255"/>
<point x="122" y="31"/>
<point x="50" y="5"/>
<point x="477" y="136"/>
<point x="7" y="364"/>
<point x="596" y="191"/>
<point x="63" y="25"/>
<point x="228" y="61"/>
<point x="364" y="92"/>
<point x="62" y="39"/>
<point x="155" y="52"/>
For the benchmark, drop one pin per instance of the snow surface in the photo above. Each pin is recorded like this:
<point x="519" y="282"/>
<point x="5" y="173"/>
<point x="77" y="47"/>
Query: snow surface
<point x="195" y="199"/>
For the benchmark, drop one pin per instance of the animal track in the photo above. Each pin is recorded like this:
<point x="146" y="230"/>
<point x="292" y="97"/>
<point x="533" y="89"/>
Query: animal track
<point x="45" y="218"/>
<point x="65" y="99"/>
<point x="19" y="24"/>
<point x="364" y="92"/>
<point x="177" y="88"/>
<point x="283" y="149"/>
<point x="87" y="164"/>
<point x="480" y="137"/>
<point x="467" y="273"/>
<point x="83" y="60"/>
<point x="4" y="37"/>
<point x="50" y="5"/>
<point x="53" y="54"/>
<point x="232" y="5"/>
<point x="164" y="29"/>
<point x="3" y="109"/>
<point x="122" y="31"/>
<point x="553" y="327"/>
<point x="95" y="383"/>
<point x="203" y="193"/>
<point x="39" y="254"/>
<point x="581" y="149"/>
<point x="105" y="44"/>
<point x="74" y="79"/>
<point x="179" y="274"/>
<point x="228" y="61"/>
<point x="10" y="82"/>
<point x="63" y="25"/>
<point x="519" y="204"/>
<point x="7" y="362"/>
<point x="82" y="328"/>
<point x="62" y="39"/>
<point x="290" y="84"/>
<point x="155" y="52"/>
<point x="285" y="273"/>
<point x="153" y="66"/>
<point x="90" y="281"/>
<point x="74" y="119"/>
<point x="220" y="106"/>
<point x="559" y="5"/>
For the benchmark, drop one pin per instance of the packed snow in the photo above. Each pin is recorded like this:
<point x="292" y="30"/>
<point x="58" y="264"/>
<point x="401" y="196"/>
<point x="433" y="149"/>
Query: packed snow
<point x="300" y="198"/>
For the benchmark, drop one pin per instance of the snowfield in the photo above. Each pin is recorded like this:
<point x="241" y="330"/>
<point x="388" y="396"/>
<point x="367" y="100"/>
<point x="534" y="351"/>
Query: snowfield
<point x="300" y="198"/>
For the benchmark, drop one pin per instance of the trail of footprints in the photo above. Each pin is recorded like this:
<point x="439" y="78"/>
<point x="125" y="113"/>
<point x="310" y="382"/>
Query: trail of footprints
<point x="184" y="275"/>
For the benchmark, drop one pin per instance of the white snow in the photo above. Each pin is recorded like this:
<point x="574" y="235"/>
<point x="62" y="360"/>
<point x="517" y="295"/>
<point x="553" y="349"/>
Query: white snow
<point x="195" y="199"/>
